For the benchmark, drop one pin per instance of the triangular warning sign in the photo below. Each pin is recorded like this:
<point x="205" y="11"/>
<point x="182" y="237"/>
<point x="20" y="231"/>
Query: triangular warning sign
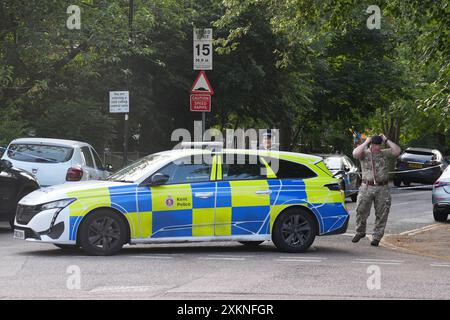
<point x="202" y="85"/>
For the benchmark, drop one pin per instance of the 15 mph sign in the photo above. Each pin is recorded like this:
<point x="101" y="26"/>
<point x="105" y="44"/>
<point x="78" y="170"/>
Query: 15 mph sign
<point x="203" y="55"/>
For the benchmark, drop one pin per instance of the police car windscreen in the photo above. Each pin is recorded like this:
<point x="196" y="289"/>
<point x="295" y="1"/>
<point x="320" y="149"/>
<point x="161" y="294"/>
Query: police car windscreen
<point x="137" y="169"/>
<point x="39" y="153"/>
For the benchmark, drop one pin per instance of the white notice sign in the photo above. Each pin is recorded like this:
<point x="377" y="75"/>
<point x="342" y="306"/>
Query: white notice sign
<point x="119" y="102"/>
<point x="203" y="49"/>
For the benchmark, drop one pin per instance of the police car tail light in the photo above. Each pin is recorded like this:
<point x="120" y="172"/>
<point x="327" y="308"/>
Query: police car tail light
<point x="74" y="174"/>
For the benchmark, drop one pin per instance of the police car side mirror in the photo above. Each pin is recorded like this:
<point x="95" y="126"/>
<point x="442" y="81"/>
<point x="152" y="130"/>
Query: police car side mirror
<point x="158" y="179"/>
<point x="5" y="165"/>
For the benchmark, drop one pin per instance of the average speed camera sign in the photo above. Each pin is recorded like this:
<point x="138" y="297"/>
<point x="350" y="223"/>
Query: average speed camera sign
<point x="203" y="49"/>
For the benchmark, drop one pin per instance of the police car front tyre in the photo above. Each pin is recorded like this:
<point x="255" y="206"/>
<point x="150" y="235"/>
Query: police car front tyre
<point x="294" y="231"/>
<point x="103" y="233"/>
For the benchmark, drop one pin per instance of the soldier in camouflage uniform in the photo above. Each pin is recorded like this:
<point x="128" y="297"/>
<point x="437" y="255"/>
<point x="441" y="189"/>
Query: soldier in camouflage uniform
<point x="374" y="187"/>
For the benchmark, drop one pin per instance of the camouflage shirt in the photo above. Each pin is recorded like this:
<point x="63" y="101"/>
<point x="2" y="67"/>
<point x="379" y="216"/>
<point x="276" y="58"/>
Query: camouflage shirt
<point x="380" y="163"/>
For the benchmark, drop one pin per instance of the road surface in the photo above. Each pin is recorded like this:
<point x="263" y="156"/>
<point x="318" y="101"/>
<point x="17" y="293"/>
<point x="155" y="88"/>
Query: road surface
<point x="334" y="268"/>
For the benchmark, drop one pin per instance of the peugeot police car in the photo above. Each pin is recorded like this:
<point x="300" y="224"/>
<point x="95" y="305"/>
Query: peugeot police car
<point x="187" y="195"/>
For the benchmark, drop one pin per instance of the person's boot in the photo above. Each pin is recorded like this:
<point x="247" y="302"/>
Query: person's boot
<point x="358" y="237"/>
<point x="375" y="242"/>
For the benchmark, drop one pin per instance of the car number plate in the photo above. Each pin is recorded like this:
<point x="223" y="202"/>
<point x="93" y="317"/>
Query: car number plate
<point x="415" y="165"/>
<point x="19" y="234"/>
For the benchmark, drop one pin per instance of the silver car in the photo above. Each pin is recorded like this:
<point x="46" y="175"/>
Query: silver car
<point x="441" y="197"/>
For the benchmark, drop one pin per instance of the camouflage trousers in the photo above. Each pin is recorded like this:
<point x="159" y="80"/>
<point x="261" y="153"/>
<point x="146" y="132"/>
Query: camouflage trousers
<point x="381" y="198"/>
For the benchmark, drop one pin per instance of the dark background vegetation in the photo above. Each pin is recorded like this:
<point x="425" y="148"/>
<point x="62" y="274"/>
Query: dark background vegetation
<point x="310" y="68"/>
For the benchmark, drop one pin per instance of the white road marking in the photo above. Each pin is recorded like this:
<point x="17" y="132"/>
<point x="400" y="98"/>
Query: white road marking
<point x="402" y="203"/>
<point x="223" y="258"/>
<point x="297" y="260"/>
<point x="420" y="230"/>
<point x="349" y="234"/>
<point x="152" y="257"/>
<point x="379" y="260"/>
<point x="122" y="289"/>
<point x="307" y="258"/>
<point x="440" y="265"/>
<point x="229" y="256"/>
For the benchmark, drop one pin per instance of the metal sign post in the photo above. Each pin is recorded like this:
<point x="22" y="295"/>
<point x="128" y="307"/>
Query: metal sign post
<point x="203" y="60"/>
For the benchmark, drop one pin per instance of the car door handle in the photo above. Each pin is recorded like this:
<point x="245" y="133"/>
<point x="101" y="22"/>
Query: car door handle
<point x="203" y="195"/>
<point x="264" y="192"/>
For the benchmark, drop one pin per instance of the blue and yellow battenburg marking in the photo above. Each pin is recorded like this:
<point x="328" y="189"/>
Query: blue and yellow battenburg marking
<point x="215" y="208"/>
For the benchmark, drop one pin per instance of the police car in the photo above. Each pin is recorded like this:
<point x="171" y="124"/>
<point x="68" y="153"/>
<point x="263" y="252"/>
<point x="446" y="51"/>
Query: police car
<point x="191" y="195"/>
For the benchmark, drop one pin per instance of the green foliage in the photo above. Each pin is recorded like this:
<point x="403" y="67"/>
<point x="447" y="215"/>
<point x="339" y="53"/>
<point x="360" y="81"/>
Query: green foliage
<point x="310" y="68"/>
<point x="11" y="125"/>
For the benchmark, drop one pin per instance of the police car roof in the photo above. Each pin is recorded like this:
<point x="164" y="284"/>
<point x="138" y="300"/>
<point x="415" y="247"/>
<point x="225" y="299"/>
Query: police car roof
<point x="282" y="154"/>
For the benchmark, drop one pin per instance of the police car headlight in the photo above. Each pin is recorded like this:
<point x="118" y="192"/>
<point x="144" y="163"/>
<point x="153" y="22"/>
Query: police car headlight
<point x="59" y="204"/>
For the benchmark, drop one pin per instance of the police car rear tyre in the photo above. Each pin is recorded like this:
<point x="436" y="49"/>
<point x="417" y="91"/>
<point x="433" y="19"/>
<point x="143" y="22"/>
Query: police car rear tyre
<point x="251" y="243"/>
<point x="103" y="233"/>
<point x="294" y="231"/>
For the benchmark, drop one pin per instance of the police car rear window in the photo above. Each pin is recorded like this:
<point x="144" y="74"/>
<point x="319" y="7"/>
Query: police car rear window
<point x="289" y="170"/>
<point x="39" y="153"/>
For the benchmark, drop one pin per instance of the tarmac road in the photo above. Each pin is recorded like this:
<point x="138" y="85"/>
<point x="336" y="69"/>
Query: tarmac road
<point x="334" y="268"/>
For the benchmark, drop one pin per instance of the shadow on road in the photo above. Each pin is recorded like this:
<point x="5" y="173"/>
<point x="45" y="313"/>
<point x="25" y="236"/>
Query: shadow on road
<point x="5" y="230"/>
<point x="222" y="249"/>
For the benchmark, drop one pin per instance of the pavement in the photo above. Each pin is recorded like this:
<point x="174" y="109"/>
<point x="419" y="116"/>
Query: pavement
<point x="334" y="267"/>
<point x="431" y="241"/>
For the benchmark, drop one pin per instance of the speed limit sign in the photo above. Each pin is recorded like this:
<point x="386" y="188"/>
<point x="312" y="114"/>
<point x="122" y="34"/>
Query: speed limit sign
<point x="203" y="48"/>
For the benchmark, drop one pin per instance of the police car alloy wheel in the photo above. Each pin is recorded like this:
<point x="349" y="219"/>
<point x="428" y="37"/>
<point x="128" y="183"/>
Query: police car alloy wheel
<point x="103" y="233"/>
<point x="294" y="231"/>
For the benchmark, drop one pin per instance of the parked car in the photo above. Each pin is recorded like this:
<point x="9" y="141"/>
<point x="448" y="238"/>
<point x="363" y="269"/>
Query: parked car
<point x="419" y="165"/>
<point x="14" y="185"/>
<point x="55" y="161"/>
<point x="441" y="197"/>
<point x="343" y="167"/>
<point x="189" y="196"/>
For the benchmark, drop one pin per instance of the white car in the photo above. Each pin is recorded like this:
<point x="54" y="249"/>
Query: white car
<point x="55" y="161"/>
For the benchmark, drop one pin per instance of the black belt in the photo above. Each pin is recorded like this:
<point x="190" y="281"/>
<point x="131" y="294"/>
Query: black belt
<point x="371" y="183"/>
